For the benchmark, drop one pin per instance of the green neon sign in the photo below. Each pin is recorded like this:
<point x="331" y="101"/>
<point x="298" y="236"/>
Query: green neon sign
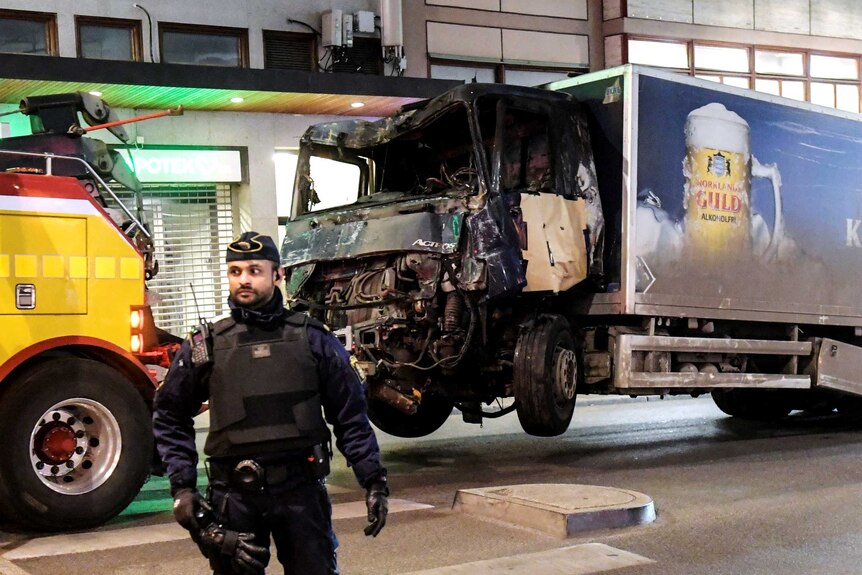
<point x="202" y="166"/>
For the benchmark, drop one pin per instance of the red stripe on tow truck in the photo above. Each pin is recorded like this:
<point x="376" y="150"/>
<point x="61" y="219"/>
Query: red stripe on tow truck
<point x="59" y="342"/>
<point x="36" y="186"/>
<point x="60" y="187"/>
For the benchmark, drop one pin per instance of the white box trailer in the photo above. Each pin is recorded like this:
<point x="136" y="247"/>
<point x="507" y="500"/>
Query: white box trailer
<point x="738" y="214"/>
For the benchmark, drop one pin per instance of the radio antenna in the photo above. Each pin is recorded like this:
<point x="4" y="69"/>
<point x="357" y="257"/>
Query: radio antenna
<point x="197" y="308"/>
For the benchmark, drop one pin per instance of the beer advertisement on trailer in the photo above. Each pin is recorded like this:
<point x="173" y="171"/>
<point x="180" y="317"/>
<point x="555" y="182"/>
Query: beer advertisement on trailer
<point x="738" y="200"/>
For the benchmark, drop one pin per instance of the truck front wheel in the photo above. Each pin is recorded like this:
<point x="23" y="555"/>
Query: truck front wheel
<point x="76" y="446"/>
<point x="430" y="415"/>
<point x="547" y="368"/>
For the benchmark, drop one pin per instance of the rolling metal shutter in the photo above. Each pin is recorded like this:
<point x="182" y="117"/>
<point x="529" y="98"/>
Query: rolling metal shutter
<point x="191" y="226"/>
<point x="289" y="50"/>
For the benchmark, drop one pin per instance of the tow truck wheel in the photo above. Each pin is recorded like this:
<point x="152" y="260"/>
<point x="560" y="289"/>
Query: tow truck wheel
<point x="430" y="415"/>
<point x="547" y="369"/>
<point x="752" y="404"/>
<point x="76" y="446"/>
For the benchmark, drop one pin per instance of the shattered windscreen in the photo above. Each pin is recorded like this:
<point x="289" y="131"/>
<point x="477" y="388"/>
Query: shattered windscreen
<point x="434" y="159"/>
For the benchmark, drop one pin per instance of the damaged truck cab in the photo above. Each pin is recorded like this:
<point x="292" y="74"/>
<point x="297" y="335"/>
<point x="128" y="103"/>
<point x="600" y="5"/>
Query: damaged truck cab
<point x="629" y="231"/>
<point x="421" y="262"/>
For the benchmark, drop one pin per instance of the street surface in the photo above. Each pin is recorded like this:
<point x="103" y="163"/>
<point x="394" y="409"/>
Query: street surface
<point x="731" y="497"/>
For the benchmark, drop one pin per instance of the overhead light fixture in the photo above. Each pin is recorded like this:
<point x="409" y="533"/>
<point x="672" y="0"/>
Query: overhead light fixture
<point x="237" y="99"/>
<point x="357" y="104"/>
<point x="95" y="93"/>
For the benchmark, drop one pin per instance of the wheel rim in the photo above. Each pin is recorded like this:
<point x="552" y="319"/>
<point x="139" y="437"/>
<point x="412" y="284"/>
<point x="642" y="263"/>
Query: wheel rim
<point x="565" y="374"/>
<point x="75" y="446"/>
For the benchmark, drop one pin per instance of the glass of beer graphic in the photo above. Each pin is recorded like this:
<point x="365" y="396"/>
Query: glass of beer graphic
<point x="717" y="192"/>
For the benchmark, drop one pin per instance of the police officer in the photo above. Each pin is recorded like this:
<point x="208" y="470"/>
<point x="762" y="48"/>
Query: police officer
<point x="266" y="372"/>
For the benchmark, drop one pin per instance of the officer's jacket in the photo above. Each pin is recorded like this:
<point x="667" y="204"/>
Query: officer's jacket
<point x="265" y="408"/>
<point x="264" y="390"/>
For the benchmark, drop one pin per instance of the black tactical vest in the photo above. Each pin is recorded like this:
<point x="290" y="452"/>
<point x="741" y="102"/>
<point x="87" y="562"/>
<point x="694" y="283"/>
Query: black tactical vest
<point x="264" y="390"/>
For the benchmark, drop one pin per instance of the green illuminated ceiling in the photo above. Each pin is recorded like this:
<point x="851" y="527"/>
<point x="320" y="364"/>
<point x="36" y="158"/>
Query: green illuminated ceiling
<point x="141" y="85"/>
<point x="164" y="97"/>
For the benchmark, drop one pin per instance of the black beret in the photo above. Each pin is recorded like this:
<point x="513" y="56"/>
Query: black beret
<point x="252" y="246"/>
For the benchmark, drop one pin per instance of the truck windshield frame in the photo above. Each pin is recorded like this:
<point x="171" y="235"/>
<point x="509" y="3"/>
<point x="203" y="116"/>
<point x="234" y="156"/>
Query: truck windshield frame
<point x="441" y="158"/>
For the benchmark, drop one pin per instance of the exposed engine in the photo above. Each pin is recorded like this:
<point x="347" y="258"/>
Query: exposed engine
<point x="410" y="323"/>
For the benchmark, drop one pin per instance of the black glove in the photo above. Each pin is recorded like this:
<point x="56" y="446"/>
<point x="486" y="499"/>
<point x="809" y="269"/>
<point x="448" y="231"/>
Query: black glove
<point x="186" y="503"/>
<point x="377" y="502"/>
<point x="221" y="545"/>
<point x="248" y="557"/>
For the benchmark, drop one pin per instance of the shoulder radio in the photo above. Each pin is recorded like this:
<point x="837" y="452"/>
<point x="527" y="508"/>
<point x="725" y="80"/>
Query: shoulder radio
<point x="201" y="338"/>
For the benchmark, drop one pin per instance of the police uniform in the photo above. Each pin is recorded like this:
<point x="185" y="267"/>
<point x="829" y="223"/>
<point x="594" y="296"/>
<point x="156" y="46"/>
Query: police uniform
<point x="273" y="377"/>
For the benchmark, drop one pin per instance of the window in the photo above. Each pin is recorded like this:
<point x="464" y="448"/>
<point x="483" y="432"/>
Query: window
<point x="847" y="97"/>
<point x="203" y="45"/>
<point x="534" y="77"/>
<point x="470" y="73"/>
<point x="28" y="33"/>
<point x="825" y="79"/>
<point x="841" y="96"/>
<point x="284" y="161"/>
<point x="660" y="54"/>
<point x="779" y="63"/>
<point x="433" y="159"/>
<point x="738" y="81"/>
<point x="834" y="68"/>
<point x="336" y="183"/>
<point x="501" y="73"/>
<point x="289" y="50"/>
<point x="780" y="73"/>
<point x="794" y="89"/>
<point x="526" y="161"/>
<point x="843" y="91"/>
<point x="108" y="38"/>
<point x="721" y="58"/>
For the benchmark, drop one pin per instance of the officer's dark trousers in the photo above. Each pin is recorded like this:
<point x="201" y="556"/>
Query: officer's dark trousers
<point x="298" y="515"/>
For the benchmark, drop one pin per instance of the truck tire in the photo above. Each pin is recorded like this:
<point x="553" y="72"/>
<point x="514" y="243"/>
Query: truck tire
<point x="430" y="415"/>
<point x="751" y="404"/>
<point x="849" y="409"/>
<point x="76" y="448"/>
<point x="547" y="369"/>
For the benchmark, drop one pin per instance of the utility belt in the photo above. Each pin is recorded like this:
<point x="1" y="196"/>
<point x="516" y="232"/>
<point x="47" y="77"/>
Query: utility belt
<point x="250" y="475"/>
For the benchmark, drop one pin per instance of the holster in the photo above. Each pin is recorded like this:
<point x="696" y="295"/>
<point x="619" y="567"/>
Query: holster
<point x="318" y="462"/>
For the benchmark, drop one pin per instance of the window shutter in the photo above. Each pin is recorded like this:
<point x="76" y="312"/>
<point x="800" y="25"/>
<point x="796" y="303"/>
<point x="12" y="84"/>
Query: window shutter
<point x="288" y="51"/>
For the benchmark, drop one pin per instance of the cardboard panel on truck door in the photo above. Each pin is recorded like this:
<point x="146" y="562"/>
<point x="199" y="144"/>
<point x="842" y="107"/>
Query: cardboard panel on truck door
<point x="556" y="252"/>
<point x="48" y="253"/>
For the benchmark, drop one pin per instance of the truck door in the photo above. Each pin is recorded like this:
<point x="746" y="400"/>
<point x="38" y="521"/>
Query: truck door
<point x="550" y="218"/>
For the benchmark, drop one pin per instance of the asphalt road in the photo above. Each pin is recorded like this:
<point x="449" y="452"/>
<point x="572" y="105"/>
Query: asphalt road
<point x="731" y="498"/>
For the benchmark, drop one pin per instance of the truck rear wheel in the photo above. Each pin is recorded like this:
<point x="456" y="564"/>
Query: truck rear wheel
<point x="430" y="415"/>
<point x="547" y="368"/>
<point x="751" y="404"/>
<point x="849" y="409"/>
<point x="76" y="445"/>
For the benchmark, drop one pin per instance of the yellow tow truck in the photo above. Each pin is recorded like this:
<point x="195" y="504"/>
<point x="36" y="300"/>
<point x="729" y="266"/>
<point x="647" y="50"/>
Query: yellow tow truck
<point x="80" y="358"/>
